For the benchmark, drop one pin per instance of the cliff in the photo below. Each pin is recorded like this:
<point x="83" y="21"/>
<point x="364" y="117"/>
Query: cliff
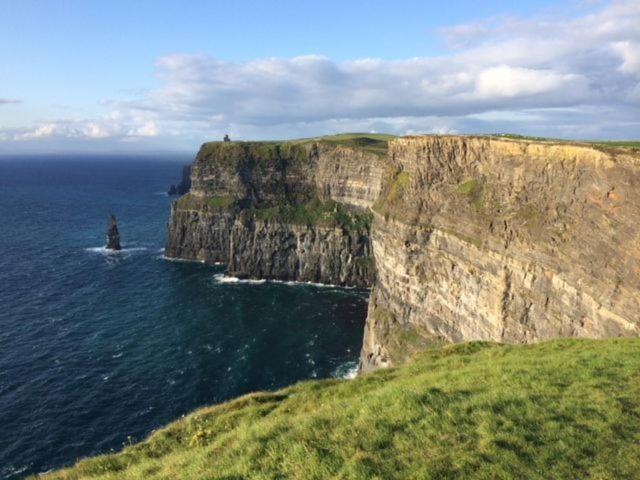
<point x="282" y="210"/>
<point x="561" y="409"/>
<point x="479" y="238"/>
<point x="185" y="183"/>
<point x="462" y="238"/>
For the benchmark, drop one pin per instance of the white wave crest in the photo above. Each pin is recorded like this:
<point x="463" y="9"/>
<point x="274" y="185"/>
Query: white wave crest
<point x="179" y="260"/>
<point x="348" y="371"/>
<point x="222" y="278"/>
<point x="311" y="284"/>
<point x="107" y="251"/>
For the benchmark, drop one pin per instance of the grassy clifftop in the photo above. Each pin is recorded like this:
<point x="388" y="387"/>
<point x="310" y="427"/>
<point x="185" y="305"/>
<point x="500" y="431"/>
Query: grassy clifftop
<point x="562" y="409"/>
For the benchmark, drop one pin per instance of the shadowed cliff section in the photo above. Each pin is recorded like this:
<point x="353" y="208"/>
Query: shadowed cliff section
<point x="479" y="238"/>
<point x="294" y="210"/>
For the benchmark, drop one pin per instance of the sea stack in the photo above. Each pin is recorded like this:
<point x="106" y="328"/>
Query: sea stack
<point x="113" y="236"/>
<point x="185" y="184"/>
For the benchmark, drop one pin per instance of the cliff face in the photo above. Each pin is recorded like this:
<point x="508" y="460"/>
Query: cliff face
<point x="288" y="211"/>
<point x="483" y="239"/>
<point x="467" y="238"/>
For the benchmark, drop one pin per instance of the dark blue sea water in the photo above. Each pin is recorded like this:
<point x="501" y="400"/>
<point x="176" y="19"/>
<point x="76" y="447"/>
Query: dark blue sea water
<point x="97" y="347"/>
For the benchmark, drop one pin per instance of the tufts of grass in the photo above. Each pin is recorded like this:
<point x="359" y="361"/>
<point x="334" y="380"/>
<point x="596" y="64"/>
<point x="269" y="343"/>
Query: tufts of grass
<point x="220" y="202"/>
<point x="235" y="151"/>
<point x="391" y="198"/>
<point x="315" y="212"/>
<point x="474" y="191"/>
<point x="561" y="409"/>
<point x="192" y="202"/>
<point x="368" y="142"/>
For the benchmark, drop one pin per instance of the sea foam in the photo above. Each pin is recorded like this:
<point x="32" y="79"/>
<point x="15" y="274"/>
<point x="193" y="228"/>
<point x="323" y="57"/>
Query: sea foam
<point x="347" y="371"/>
<point x="107" y="251"/>
<point x="222" y="278"/>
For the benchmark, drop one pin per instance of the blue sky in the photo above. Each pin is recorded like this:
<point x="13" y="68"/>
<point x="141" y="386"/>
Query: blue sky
<point x="95" y="75"/>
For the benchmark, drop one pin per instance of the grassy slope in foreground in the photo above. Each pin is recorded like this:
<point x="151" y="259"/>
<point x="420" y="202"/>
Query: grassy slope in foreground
<point x="562" y="409"/>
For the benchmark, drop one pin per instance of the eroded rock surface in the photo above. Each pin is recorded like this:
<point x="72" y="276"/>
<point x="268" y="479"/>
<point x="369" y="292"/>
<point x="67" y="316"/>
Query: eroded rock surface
<point x="509" y="241"/>
<point x="467" y="238"/>
<point x="288" y="211"/>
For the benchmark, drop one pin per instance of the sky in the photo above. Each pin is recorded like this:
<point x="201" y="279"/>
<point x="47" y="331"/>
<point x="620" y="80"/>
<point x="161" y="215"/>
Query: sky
<point x="96" y="76"/>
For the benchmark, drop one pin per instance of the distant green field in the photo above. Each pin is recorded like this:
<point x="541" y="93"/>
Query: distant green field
<point x="375" y="143"/>
<point x="600" y="143"/>
<point x="565" y="409"/>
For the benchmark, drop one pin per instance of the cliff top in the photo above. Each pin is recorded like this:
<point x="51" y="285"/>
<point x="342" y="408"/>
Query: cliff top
<point x="562" y="409"/>
<point x="377" y="143"/>
<point x="630" y="147"/>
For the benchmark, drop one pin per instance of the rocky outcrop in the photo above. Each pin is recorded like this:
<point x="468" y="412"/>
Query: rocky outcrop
<point x="185" y="183"/>
<point x="509" y="241"/>
<point x="288" y="211"/>
<point x="113" y="236"/>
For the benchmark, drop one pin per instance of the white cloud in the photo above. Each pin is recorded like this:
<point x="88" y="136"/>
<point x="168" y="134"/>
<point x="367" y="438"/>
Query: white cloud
<point x="148" y="129"/>
<point x="506" y="81"/>
<point x="94" y="130"/>
<point x="630" y="54"/>
<point x="45" y="130"/>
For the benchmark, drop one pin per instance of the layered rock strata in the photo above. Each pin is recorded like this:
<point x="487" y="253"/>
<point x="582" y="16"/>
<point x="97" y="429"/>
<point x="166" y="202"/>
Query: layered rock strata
<point x="288" y="211"/>
<point x="509" y="241"/>
<point x="467" y="238"/>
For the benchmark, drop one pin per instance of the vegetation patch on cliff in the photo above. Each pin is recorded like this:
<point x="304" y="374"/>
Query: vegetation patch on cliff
<point x="401" y="341"/>
<point x="192" y="202"/>
<point x="315" y="212"/>
<point x="391" y="199"/>
<point x="562" y="409"/>
<point x="473" y="190"/>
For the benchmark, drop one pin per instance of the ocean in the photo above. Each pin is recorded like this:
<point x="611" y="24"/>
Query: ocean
<point x="98" y="349"/>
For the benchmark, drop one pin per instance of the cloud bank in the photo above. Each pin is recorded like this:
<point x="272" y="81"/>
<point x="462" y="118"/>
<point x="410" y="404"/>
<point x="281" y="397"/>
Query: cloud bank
<point x="562" y="77"/>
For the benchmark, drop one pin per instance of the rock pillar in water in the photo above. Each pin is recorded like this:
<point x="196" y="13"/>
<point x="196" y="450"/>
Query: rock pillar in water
<point x="113" y="236"/>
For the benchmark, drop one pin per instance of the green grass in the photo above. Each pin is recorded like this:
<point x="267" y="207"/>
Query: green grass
<point x="562" y="409"/>
<point x="315" y="212"/>
<point x="629" y="144"/>
<point x="192" y="202"/>
<point x="474" y="191"/>
<point x="375" y="143"/>
<point x="390" y="200"/>
<point x="220" y="202"/>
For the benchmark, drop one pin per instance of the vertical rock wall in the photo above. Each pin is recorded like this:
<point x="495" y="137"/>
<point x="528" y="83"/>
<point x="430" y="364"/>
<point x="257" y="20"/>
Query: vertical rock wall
<point x="483" y="239"/>
<point x="288" y="211"/>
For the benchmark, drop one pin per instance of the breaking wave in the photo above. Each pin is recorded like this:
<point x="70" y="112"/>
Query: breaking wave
<point x="348" y="371"/>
